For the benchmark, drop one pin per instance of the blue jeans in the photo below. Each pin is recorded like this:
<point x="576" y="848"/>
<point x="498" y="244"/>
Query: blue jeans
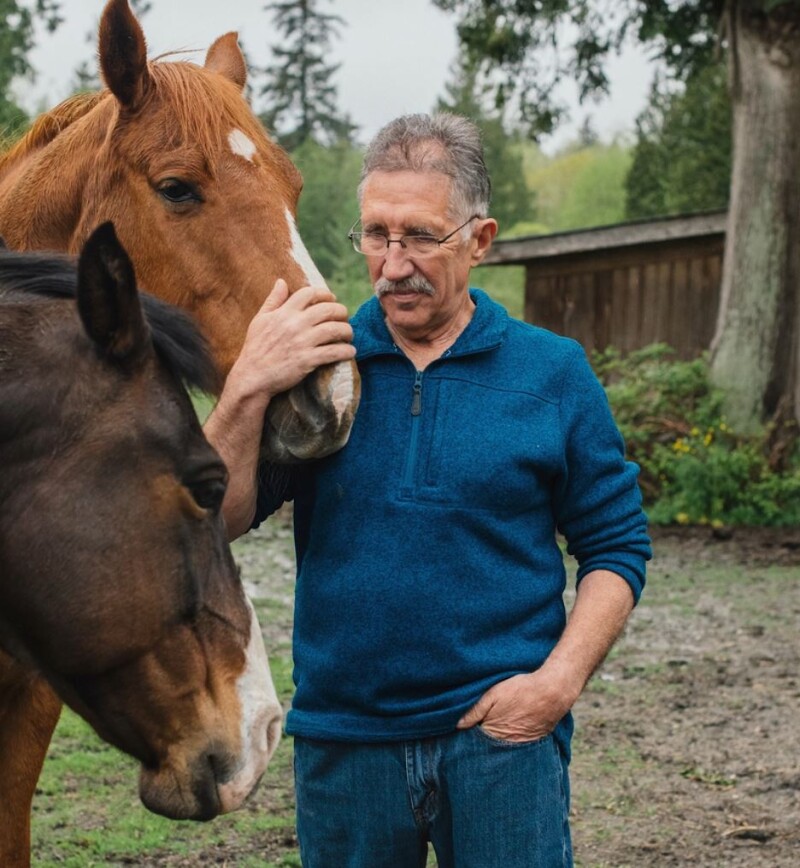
<point x="481" y="803"/>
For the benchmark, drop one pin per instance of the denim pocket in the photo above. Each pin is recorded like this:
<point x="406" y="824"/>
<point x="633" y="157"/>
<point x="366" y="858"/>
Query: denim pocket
<point x="502" y="742"/>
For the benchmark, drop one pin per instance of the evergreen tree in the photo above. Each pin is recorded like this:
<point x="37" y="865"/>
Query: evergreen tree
<point x="512" y="201"/>
<point x="16" y="40"/>
<point x="682" y="158"/>
<point x="301" y="98"/>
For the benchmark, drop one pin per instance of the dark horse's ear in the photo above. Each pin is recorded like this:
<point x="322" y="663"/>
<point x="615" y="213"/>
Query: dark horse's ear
<point x="226" y="58"/>
<point x="123" y="54"/>
<point x="108" y="301"/>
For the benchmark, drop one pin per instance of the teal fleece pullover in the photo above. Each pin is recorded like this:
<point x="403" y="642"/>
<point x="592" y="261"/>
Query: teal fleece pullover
<point x="428" y="564"/>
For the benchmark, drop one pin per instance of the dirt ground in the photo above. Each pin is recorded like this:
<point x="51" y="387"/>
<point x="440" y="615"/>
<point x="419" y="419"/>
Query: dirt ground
<point x="687" y="749"/>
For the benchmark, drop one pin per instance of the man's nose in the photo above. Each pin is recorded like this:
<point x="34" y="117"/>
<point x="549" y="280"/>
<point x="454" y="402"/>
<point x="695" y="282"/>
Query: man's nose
<point x="397" y="264"/>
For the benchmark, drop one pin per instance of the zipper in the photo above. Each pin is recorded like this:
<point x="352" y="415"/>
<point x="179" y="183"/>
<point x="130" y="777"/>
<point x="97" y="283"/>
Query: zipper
<point x="416" y="400"/>
<point x="416" y="412"/>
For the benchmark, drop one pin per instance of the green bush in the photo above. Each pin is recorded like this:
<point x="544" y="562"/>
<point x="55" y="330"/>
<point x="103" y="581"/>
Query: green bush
<point x="694" y="470"/>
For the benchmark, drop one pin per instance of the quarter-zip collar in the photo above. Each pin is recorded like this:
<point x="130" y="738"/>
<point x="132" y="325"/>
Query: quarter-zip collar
<point x="485" y="331"/>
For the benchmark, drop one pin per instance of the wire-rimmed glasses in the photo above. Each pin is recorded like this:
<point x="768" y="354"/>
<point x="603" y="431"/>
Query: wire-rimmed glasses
<point x="417" y="244"/>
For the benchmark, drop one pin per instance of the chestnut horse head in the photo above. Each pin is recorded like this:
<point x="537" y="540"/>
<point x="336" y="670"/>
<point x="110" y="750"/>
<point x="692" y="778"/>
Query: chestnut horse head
<point x="203" y="200"/>
<point x="116" y="579"/>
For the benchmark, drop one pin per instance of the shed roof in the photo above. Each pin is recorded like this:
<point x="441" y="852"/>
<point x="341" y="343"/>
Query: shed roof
<point x="661" y="230"/>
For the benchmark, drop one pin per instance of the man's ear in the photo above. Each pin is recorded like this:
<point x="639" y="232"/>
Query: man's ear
<point x="484" y="237"/>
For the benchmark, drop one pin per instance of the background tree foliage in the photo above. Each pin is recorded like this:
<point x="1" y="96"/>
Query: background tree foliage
<point x="535" y="44"/>
<point x="16" y="40"/>
<point x="682" y="157"/>
<point x="466" y="94"/>
<point x="299" y="89"/>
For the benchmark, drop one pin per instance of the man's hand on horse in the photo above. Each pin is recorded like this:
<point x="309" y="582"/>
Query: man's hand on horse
<point x="290" y="336"/>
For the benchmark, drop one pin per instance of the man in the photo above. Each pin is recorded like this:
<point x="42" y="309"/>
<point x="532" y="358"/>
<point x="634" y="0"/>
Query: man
<point x="434" y="670"/>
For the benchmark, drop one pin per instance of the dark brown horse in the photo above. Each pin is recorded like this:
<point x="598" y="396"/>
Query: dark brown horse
<point x="116" y="580"/>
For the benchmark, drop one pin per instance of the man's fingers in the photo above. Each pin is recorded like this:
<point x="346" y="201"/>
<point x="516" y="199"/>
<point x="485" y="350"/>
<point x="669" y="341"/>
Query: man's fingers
<point x="304" y="297"/>
<point x="337" y="352"/>
<point x="331" y="332"/>
<point x="326" y="311"/>
<point x="279" y="294"/>
<point x="310" y="295"/>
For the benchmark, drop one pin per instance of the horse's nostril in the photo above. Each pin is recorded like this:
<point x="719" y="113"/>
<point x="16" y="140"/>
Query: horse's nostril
<point x="220" y="767"/>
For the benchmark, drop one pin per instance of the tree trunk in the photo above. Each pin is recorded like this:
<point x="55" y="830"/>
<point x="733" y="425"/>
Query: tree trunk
<point x="755" y="353"/>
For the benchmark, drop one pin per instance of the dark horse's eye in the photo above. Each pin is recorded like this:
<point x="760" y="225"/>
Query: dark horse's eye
<point x="178" y="192"/>
<point x="208" y="493"/>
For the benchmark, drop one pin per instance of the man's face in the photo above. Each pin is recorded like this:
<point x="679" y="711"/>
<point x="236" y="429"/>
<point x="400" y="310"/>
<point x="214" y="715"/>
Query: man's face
<point x="409" y="203"/>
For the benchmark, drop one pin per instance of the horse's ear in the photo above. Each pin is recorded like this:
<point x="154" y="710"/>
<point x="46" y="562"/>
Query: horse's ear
<point x="226" y="57"/>
<point x="123" y="54"/>
<point x="108" y="301"/>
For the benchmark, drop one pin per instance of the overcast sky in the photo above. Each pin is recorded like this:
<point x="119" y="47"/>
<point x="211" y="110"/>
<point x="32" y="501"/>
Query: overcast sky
<point x="395" y="56"/>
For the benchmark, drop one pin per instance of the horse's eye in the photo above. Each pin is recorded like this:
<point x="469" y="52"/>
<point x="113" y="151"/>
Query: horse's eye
<point x="178" y="192"/>
<point x="208" y="493"/>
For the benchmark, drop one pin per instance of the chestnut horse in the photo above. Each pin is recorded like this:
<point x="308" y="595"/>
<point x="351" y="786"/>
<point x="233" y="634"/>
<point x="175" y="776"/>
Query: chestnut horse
<point x="117" y="584"/>
<point x="200" y="196"/>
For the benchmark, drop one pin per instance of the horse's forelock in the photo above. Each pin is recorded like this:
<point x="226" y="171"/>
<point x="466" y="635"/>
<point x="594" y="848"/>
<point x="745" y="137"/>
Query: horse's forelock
<point x="207" y="107"/>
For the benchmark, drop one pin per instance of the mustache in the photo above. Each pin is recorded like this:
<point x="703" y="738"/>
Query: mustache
<point x="416" y="283"/>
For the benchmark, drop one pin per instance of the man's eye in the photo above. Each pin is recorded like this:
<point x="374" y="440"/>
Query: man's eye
<point x="422" y="241"/>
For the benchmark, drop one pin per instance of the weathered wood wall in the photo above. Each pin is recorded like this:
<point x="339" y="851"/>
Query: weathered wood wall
<point x="625" y="286"/>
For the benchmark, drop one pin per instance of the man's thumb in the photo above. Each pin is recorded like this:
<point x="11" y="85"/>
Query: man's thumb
<point x="475" y="715"/>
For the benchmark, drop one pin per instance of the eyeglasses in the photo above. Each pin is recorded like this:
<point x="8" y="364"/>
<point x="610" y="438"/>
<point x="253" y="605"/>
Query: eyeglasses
<point x="377" y="243"/>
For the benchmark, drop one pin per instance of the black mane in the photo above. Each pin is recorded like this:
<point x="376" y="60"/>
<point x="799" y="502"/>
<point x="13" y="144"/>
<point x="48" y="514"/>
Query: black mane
<point x="175" y="336"/>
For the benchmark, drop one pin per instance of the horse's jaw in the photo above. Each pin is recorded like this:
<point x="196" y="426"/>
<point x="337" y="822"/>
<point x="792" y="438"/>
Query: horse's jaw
<point x="314" y="418"/>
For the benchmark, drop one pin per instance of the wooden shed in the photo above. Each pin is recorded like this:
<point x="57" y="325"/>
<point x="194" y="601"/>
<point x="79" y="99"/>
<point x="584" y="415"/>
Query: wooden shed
<point x="626" y="285"/>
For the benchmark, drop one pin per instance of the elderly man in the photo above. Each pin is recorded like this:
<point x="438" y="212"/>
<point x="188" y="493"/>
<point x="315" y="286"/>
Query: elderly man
<point x="434" y="665"/>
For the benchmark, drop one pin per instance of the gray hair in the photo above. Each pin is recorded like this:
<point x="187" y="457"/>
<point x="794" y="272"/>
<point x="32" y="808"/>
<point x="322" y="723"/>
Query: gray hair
<point x="441" y="142"/>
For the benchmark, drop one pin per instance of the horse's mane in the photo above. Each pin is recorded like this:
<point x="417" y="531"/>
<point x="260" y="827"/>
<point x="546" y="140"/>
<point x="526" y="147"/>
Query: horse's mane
<point x="175" y="337"/>
<point x="204" y="108"/>
<point x="47" y="126"/>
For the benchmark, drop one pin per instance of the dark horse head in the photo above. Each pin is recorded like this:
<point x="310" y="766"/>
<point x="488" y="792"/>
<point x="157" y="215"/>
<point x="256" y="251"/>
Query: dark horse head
<point x="116" y="580"/>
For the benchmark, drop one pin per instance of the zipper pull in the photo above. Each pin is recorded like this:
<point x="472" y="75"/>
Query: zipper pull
<point x="416" y="401"/>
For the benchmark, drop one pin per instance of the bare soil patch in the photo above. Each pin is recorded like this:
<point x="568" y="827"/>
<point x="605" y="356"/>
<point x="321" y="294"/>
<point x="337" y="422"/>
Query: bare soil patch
<point x="688" y="744"/>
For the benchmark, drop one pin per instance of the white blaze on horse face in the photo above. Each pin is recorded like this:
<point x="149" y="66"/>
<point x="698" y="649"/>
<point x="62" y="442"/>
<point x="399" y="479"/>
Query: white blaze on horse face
<point x="241" y="145"/>
<point x="261" y="721"/>
<point x="301" y="256"/>
<point x="341" y="388"/>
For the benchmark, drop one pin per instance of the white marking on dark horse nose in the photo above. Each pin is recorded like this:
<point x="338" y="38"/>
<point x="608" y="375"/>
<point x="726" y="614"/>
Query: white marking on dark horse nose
<point x="260" y="723"/>
<point x="241" y="145"/>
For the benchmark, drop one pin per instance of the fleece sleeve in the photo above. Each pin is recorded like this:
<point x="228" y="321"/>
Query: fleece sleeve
<point x="597" y="502"/>
<point x="275" y="485"/>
